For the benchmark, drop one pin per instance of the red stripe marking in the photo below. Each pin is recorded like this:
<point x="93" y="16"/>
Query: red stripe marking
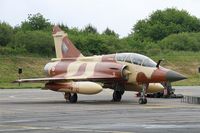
<point x="81" y="70"/>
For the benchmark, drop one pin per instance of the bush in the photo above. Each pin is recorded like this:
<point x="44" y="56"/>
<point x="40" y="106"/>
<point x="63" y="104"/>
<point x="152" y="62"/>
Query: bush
<point x="181" y="42"/>
<point x="12" y="51"/>
<point x="94" y="44"/>
<point x="36" y="22"/>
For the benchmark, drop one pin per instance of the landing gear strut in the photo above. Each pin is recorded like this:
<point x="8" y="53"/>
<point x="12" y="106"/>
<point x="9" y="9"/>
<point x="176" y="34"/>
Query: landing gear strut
<point x="71" y="97"/>
<point x="143" y="99"/>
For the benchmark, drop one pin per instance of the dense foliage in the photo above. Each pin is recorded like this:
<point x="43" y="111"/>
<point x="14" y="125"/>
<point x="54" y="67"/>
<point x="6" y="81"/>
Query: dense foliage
<point x="164" y="30"/>
<point x="182" y="41"/>
<point x="160" y="24"/>
<point x="6" y="33"/>
<point x="36" y="22"/>
<point x="34" y="42"/>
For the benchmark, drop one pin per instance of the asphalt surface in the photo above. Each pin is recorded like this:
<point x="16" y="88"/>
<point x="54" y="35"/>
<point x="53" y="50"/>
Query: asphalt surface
<point x="43" y="111"/>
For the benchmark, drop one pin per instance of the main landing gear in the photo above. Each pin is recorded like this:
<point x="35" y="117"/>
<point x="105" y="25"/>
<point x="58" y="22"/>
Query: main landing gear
<point x="117" y="96"/>
<point x="71" y="97"/>
<point x="143" y="99"/>
<point x="118" y="92"/>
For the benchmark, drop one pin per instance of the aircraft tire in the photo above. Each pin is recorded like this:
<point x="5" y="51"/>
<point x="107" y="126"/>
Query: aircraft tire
<point x="117" y="95"/>
<point x="157" y="95"/>
<point x="122" y="92"/>
<point x="67" y="96"/>
<point x="173" y="96"/>
<point x="145" y="101"/>
<point x="179" y="96"/>
<point x="73" y="98"/>
<point x="142" y="101"/>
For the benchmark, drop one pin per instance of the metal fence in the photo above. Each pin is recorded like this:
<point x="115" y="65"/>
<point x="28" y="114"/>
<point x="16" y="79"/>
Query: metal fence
<point x="191" y="99"/>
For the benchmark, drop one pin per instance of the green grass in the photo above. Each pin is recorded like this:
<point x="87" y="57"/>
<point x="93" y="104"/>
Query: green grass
<point x="21" y="86"/>
<point x="186" y="63"/>
<point x="32" y="67"/>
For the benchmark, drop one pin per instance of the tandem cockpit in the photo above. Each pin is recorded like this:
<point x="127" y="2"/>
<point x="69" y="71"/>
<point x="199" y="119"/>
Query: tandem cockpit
<point x="135" y="58"/>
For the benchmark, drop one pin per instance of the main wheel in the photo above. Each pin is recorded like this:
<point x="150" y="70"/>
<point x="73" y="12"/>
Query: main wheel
<point x="117" y="96"/>
<point x="142" y="101"/>
<point x="157" y="95"/>
<point x="73" y="98"/>
<point x="67" y="96"/>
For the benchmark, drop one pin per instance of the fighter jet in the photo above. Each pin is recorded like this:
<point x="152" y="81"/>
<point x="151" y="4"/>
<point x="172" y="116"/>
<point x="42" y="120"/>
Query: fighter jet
<point x="71" y="72"/>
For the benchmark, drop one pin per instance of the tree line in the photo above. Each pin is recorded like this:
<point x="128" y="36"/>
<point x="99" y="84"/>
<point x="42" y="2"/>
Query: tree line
<point x="163" y="31"/>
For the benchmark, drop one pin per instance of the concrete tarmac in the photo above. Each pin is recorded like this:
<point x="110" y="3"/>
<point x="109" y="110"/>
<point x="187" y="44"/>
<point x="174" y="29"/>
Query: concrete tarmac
<point x="44" y="111"/>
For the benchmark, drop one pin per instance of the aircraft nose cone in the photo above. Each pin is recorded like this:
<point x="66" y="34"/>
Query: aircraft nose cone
<point x="174" y="76"/>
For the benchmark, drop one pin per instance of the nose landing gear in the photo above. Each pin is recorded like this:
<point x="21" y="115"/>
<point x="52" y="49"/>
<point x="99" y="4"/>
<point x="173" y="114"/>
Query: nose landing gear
<point x="143" y="99"/>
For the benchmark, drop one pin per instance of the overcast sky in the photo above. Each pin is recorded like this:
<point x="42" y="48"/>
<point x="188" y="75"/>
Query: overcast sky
<point x="119" y="15"/>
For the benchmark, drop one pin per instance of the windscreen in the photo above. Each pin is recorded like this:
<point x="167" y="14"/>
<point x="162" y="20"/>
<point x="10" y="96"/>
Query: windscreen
<point x="135" y="58"/>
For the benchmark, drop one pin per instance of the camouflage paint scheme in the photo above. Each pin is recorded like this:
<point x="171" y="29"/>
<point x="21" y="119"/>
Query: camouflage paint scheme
<point x="71" y="72"/>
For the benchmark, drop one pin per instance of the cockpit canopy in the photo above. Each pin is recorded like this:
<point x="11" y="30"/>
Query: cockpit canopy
<point x="135" y="58"/>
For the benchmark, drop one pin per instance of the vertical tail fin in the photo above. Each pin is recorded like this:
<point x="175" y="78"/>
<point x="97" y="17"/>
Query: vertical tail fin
<point x="64" y="47"/>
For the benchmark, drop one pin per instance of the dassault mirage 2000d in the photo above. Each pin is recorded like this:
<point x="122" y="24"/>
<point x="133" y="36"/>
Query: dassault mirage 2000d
<point x="71" y="72"/>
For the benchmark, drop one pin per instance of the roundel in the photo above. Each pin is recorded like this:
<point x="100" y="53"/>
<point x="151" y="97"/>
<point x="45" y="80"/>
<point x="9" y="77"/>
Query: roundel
<point x="64" y="48"/>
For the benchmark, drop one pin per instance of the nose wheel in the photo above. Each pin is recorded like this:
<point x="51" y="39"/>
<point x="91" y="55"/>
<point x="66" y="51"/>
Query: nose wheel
<point x="71" y="97"/>
<point x="143" y="99"/>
